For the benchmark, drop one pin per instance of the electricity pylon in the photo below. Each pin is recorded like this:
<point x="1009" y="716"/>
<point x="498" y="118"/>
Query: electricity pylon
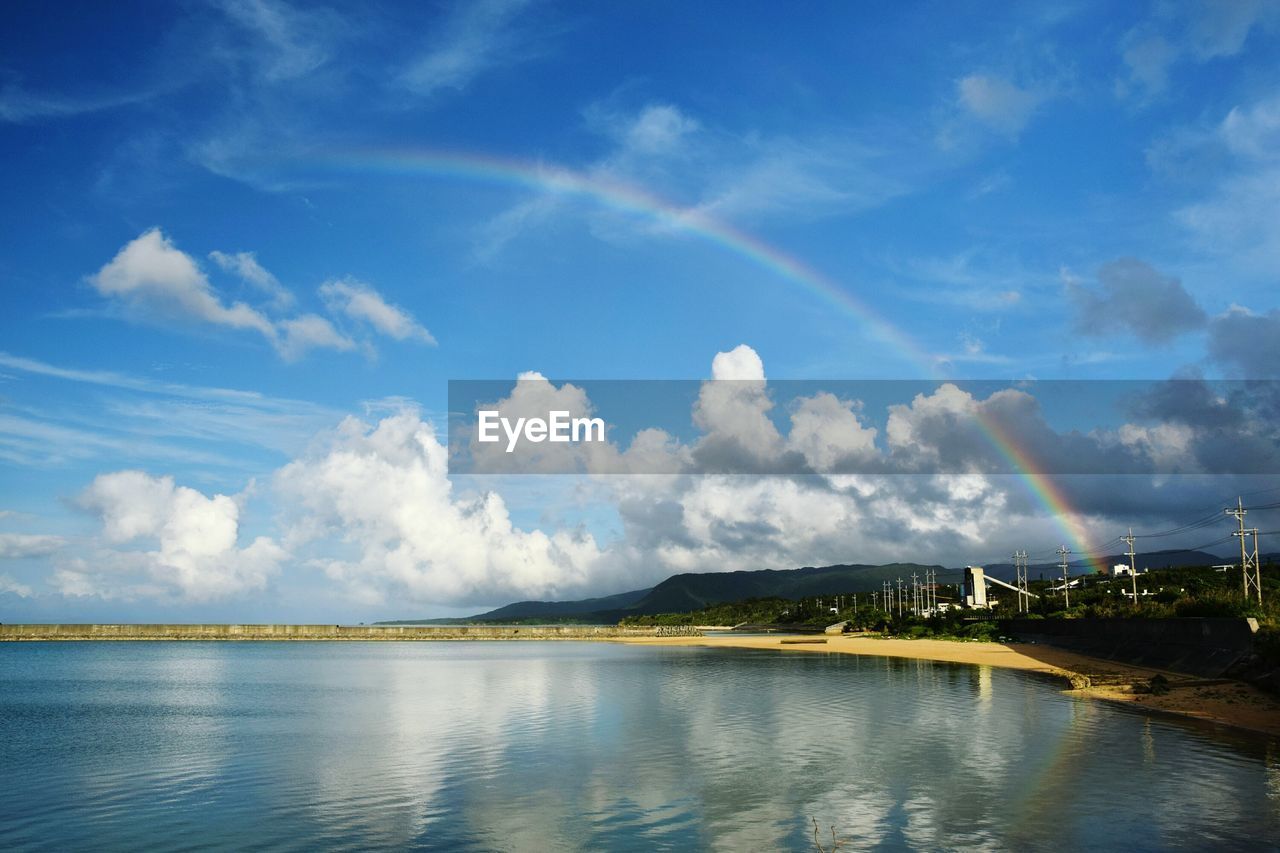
<point x="1063" y="551"/>
<point x="1133" y="564"/>
<point x="1249" y="564"/>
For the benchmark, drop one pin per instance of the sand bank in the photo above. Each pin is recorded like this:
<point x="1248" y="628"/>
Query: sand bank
<point x="1229" y="703"/>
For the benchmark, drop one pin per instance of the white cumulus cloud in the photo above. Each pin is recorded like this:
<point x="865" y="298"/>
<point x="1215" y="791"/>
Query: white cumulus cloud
<point x="156" y="281"/>
<point x="153" y="276"/>
<point x="381" y="512"/>
<point x="186" y="543"/>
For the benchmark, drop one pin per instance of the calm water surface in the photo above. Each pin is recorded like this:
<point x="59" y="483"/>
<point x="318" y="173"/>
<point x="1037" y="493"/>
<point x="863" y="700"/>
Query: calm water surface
<point x="547" y="746"/>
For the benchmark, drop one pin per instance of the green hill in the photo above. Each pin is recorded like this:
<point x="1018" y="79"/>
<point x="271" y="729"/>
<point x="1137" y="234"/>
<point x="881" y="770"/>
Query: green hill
<point x="688" y="592"/>
<point x="685" y="593"/>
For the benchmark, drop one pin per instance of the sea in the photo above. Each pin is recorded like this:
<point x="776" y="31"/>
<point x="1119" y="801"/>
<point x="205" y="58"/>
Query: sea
<point x="546" y="746"/>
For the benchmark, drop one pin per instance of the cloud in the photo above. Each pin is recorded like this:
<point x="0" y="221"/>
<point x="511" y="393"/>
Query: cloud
<point x="21" y="106"/>
<point x="1239" y="219"/>
<point x="13" y="587"/>
<point x="473" y="39"/>
<point x="362" y="303"/>
<point x="1234" y="163"/>
<point x="193" y="539"/>
<point x="14" y="546"/>
<point x="246" y="266"/>
<point x="1148" y="60"/>
<point x="534" y="396"/>
<point x="1191" y="32"/>
<point x="291" y="43"/>
<point x="701" y="176"/>
<point x="810" y="178"/>
<point x="146" y="418"/>
<point x="154" y="278"/>
<point x="658" y="128"/>
<point x="158" y="282"/>
<point x="40" y="440"/>
<point x="733" y="413"/>
<point x="382" y="493"/>
<point x="998" y="103"/>
<point x="742" y="363"/>
<point x="973" y="279"/>
<point x="1247" y="344"/>
<point x="1221" y="29"/>
<point x="371" y="508"/>
<point x="828" y="432"/>
<point x="1253" y="131"/>
<point x="301" y="334"/>
<point x="1135" y="298"/>
<point x="1238" y="161"/>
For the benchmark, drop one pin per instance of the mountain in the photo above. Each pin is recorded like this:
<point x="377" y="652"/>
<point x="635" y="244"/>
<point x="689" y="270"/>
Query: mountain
<point x="527" y="609"/>
<point x="684" y="593"/>
<point x="687" y="592"/>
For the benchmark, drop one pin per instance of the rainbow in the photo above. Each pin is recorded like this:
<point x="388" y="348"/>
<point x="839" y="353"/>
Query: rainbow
<point x="1044" y="489"/>
<point x="628" y="199"/>
<point x="631" y="200"/>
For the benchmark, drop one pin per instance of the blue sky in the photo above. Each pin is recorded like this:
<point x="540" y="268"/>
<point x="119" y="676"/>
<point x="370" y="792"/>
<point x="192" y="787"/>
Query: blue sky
<point x="227" y="226"/>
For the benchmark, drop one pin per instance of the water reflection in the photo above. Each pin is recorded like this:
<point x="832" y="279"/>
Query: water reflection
<point x="541" y="746"/>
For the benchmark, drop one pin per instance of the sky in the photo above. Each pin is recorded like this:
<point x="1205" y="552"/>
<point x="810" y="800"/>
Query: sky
<point x="247" y="244"/>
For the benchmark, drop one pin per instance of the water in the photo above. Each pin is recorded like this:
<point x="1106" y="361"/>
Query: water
<point x="547" y="746"/>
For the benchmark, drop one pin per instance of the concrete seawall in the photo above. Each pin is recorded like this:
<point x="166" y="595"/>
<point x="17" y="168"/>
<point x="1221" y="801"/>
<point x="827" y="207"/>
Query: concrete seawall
<point x="335" y="632"/>
<point x="1205" y="647"/>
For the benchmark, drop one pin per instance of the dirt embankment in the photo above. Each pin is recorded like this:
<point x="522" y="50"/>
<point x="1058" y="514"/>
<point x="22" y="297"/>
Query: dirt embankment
<point x="1231" y="703"/>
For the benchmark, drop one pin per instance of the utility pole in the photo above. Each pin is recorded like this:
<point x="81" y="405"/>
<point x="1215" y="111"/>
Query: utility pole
<point x="1248" y="558"/>
<point x="1133" y="564"/>
<point x="1063" y="551"/>
<point x="900" y="588"/>
<point x="1020" y="579"/>
<point x="915" y="593"/>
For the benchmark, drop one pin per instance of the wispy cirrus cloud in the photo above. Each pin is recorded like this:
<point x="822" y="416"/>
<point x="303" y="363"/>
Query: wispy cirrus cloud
<point x="19" y="105"/>
<point x="473" y="38"/>
<point x="664" y="151"/>
<point x="999" y="103"/>
<point x="360" y="302"/>
<point x="1187" y="33"/>
<point x="289" y="42"/>
<point x="245" y="265"/>
<point x="144" y="420"/>
<point x="1233" y="164"/>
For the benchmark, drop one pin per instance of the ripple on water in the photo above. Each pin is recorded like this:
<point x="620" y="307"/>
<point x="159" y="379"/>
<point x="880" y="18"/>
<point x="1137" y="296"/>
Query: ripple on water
<point x="538" y="746"/>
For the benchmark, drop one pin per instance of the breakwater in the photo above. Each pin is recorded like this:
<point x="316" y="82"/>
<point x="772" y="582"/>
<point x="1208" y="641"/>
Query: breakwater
<point x="1206" y="647"/>
<point x="335" y="632"/>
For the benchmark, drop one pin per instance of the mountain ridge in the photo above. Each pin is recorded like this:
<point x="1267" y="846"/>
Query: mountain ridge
<point x="689" y="591"/>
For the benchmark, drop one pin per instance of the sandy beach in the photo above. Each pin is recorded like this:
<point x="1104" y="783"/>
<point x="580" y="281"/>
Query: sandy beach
<point x="1228" y="703"/>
